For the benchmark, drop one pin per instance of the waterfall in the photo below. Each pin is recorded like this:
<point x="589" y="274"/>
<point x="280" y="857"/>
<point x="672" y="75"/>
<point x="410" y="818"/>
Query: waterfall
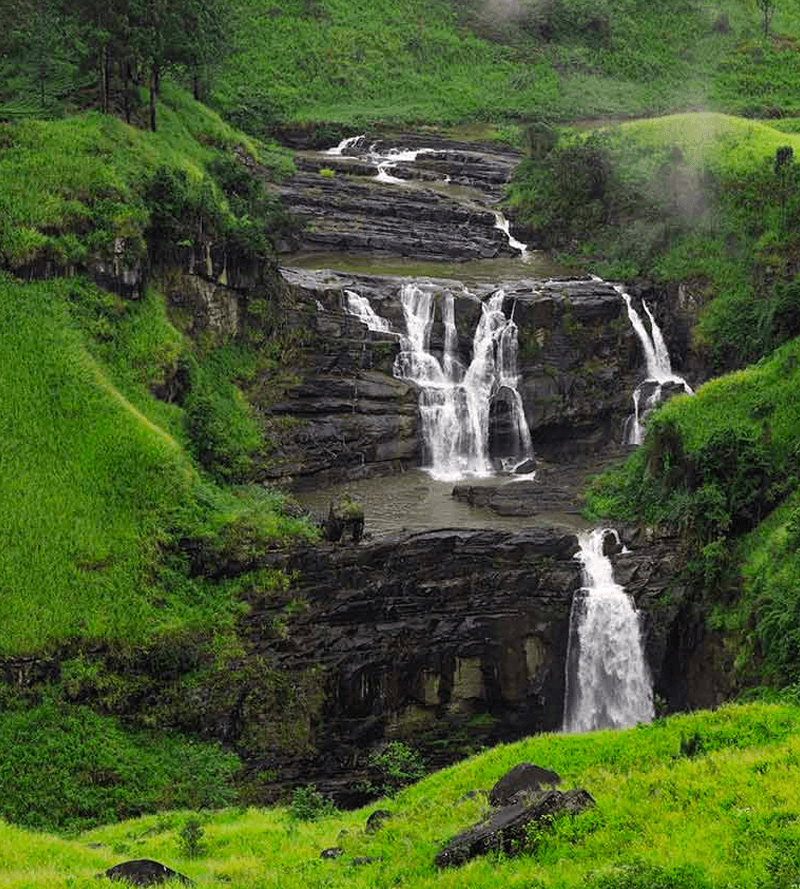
<point x="387" y="159"/>
<point x="455" y="401"/>
<point x="659" y="369"/>
<point x="352" y="142"/>
<point x="505" y="227"/>
<point x="607" y="680"/>
<point x="360" y="307"/>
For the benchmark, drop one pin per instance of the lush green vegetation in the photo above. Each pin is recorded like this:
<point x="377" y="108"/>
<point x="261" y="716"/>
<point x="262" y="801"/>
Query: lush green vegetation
<point x="73" y="186"/>
<point x="358" y="64"/>
<point x="702" y="801"/>
<point x="68" y="769"/>
<point x="705" y="198"/>
<point x="127" y="561"/>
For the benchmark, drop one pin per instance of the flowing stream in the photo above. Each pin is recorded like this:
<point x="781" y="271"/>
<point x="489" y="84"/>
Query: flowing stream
<point x="607" y="681"/>
<point x="659" y="370"/>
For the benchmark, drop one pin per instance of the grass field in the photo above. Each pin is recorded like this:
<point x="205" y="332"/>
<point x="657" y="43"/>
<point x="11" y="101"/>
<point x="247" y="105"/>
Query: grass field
<point x="702" y="800"/>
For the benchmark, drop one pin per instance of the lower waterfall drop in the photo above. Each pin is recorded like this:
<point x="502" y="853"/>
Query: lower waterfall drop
<point x="608" y="683"/>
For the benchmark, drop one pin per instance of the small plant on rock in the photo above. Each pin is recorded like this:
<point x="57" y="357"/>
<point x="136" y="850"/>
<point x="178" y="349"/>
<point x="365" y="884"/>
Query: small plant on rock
<point x="397" y="764"/>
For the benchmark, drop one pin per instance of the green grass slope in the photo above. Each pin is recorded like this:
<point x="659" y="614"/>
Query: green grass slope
<point x="356" y="64"/>
<point x="704" y="800"/>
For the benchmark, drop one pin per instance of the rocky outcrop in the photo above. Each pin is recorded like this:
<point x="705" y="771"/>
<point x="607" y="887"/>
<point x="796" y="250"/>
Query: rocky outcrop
<point x="524" y="778"/>
<point x="342" y="414"/>
<point x="508" y="829"/>
<point x="365" y="216"/>
<point x="453" y="639"/>
<point x="144" y="872"/>
<point x="446" y="639"/>
<point x="346" y="208"/>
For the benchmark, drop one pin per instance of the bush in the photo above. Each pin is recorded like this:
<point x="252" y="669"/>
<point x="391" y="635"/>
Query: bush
<point x="641" y="875"/>
<point x="308" y="804"/>
<point x="396" y="765"/>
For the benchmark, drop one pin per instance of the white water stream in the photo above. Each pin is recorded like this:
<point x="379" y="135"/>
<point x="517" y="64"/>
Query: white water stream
<point x="607" y="681"/>
<point x="455" y="400"/>
<point x="659" y="369"/>
<point x="387" y="160"/>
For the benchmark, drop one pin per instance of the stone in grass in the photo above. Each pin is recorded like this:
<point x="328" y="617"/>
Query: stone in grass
<point x="144" y="872"/>
<point x="507" y="829"/>
<point x="523" y="778"/>
<point x="376" y="819"/>
<point x="333" y="852"/>
<point x="360" y="862"/>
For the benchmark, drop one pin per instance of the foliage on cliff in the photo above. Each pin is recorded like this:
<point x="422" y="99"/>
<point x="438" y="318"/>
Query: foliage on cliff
<point x="91" y="188"/>
<point x="699" y="801"/>
<point x="706" y="198"/>
<point x="120" y="432"/>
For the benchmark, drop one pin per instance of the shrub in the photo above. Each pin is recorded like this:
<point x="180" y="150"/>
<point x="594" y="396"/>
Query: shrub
<point x="396" y="765"/>
<point x="191" y="837"/>
<point x="308" y="804"/>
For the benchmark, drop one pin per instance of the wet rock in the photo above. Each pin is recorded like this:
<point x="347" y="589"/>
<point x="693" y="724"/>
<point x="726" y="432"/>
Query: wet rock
<point x="526" y="467"/>
<point x="376" y="820"/>
<point x="523" y="778"/>
<point x="507" y="829"/>
<point x="344" y="516"/>
<point x="612" y="544"/>
<point x="144" y="872"/>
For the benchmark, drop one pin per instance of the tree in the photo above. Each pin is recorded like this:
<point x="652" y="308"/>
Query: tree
<point x="767" y="8"/>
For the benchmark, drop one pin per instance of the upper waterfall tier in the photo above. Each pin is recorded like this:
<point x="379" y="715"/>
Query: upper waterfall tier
<point x="426" y="198"/>
<point x="457" y="399"/>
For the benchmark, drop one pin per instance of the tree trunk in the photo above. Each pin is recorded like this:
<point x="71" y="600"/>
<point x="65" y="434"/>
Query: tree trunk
<point x="101" y="64"/>
<point x="153" y="93"/>
<point x="108" y="66"/>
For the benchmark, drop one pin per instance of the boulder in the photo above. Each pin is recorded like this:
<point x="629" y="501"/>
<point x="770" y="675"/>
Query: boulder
<point x="344" y="516"/>
<point x="332" y="852"/>
<point x="376" y="820"/>
<point x="144" y="872"/>
<point x="507" y="830"/>
<point x="523" y="778"/>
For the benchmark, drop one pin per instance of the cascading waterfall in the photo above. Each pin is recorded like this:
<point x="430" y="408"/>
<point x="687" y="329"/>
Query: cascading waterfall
<point x="608" y="683"/>
<point x="360" y="307"/>
<point x="455" y="400"/>
<point x="659" y="369"/>
<point x="505" y="227"/>
<point x="348" y="144"/>
<point x="388" y="158"/>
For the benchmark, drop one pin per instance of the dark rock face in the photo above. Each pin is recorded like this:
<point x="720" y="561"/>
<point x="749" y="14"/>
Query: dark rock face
<point x="445" y="635"/>
<point x="346" y="416"/>
<point x="144" y="872"/>
<point x="523" y="778"/>
<point x="453" y="639"/>
<point x="351" y="211"/>
<point x="507" y="829"/>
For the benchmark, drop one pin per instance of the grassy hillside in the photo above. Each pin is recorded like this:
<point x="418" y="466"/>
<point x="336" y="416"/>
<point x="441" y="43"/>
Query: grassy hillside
<point x="704" y="800"/>
<point x="356" y="64"/>
<point x="115" y="501"/>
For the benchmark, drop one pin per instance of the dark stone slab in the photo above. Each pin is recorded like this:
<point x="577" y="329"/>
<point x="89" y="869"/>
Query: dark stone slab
<point x="506" y="830"/>
<point x="144" y="872"/>
<point x="523" y="778"/>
